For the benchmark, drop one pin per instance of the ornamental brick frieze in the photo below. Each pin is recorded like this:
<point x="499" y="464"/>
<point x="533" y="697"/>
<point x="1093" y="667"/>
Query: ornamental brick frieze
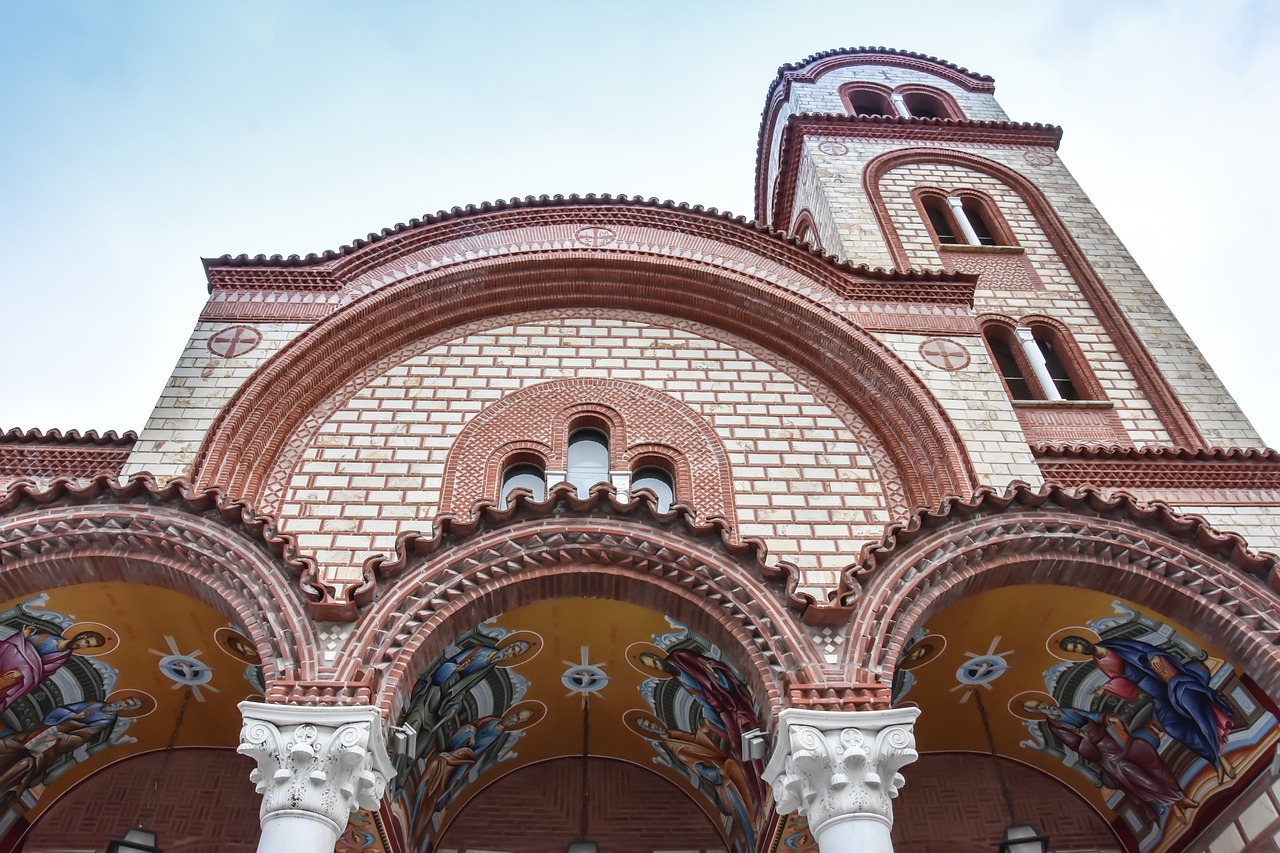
<point x="567" y="547"/>
<point x="40" y="455"/>
<point x="1212" y="476"/>
<point x="1146" y="553"/>
<point x="136" y="532"/>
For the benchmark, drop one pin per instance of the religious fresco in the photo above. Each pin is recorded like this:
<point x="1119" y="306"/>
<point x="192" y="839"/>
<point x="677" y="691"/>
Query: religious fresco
<point x="1148" y="722"/>
<point x="698" y="709"/>
<point x="527" y="686"/>
<point x="93" y="673"/>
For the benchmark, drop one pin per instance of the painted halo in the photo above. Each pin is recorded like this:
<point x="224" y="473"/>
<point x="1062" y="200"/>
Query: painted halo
<point x="531" y="638"/>
<point x="237" y="645"/>
<point x="149" y="702"/>
<point x="647" y="659"/>
<point x="1071" y="631"/>
<point x="1016" y="709"/>
<point x="108" y="633"/>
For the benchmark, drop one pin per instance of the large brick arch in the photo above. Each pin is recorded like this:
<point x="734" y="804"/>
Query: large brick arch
<point x="565" y="547"/>
<point x="1155" y="387"/>
<point x="1174" y="564"/>
<point x="171" y="537"/>
<point x="747" y="298"/>
<point x="640" y="417"/>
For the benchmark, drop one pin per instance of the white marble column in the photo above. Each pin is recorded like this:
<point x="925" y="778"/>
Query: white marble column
<point x="316" y="765"/>
<point x="840" y="770"/>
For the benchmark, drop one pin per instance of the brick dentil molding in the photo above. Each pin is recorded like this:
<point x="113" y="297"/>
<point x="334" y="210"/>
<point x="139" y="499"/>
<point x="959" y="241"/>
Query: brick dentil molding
<point x="321" y="762"/>
<point x="834" y="765"/>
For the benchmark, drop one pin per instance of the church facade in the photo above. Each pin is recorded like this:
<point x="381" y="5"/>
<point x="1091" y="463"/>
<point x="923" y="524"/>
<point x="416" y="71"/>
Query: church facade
<point x="902" y="516"/>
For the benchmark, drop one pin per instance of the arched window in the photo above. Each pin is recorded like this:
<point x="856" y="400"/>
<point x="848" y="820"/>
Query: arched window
<point x="867" y="101"/>
<point x="1008" y="363"/>
<point x="1038" y="361"/>
<point x="979" y="220"/>
<point x="588" y="459"/>
<point x="522" y="475"/>
<point x="935" y="207"/>
<point x="1054" y="363"/>
<point x="926" y="105"/>
<point x="657" y="480"/>
<point x="958" y="220"/>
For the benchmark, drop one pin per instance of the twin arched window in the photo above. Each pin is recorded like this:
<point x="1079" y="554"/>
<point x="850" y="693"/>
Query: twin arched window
<point x="586" y="464"/>
<point x="1037" y="362"/>
<point x="873" y="99"/>
<point x="958" y="220"/>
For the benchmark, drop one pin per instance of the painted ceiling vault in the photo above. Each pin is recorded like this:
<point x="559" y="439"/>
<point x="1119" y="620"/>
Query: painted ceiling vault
<point x="93" y="673"/>
<point x="1145" y="720"/>
<point x="531" y="684"/>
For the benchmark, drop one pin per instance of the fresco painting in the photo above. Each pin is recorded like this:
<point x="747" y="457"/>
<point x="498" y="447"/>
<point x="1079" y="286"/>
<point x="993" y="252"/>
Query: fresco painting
<point x="518" y="689"/>
<point x="90" y="674"/>
<point x="1147" y="722"/>
<point x="699" y="708"/>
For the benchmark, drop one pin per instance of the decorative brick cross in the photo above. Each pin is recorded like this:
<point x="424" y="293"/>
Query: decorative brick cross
<point x="234" y="341"/>
<point x="594" y="236"/>
<point x="945" y="354"/>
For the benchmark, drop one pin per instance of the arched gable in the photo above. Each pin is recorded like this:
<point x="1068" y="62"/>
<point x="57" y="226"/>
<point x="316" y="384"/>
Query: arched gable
<point x="724" y="274"/>
<point x="1174" y="564"/>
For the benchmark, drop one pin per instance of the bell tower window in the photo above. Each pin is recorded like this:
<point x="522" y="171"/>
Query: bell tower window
<point x="522" y="475"/>
<point x="657" y="480"/>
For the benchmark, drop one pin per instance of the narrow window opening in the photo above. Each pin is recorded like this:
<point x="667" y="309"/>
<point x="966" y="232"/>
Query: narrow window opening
<point x="522" y="476"/>
<point x="658" y="481"/>
<point x="866" y="102"/>
<point x="977" y="216"/>
<point x="923" y="105"/>
<point x="588" y="459"/>
<point x="1010" y="369"/>
<point x="1057" y="370"/>
<point x="936" y="209"/>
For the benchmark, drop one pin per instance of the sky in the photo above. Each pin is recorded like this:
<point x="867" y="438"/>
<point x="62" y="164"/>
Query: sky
<point x="137" y="137"/>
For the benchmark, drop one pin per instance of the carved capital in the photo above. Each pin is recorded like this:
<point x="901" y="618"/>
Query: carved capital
<point x="836" y="765"/>
<point x="320" y="762"/>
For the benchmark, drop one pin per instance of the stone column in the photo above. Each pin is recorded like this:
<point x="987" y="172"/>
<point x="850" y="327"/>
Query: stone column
<point x="962" y="219"/>
<point x="840" y="770"/>
<point x="316" y="765"/>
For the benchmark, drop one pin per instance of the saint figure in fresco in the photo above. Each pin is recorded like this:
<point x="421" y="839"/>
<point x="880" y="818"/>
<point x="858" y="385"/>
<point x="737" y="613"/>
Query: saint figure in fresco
<point x="442" y="770"/>
<point x="1129" y="761"/>
<point x="713" y="766"/>
<point x="28" y="657"/>
<point x="25" y="757"/>
<point x="1186" y="707"/>
<point x="726" y="705"/>
<point x="438" y="699"/>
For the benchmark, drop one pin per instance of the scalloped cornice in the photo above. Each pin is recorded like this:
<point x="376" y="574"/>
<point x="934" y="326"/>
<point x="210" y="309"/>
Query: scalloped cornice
<point x="332" y="268"/>
<point x="16" y="435"/>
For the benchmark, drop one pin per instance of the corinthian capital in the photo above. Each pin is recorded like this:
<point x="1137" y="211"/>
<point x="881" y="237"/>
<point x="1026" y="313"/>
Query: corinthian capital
<point x="836" y="765"/>
<point x="319" y="762"/>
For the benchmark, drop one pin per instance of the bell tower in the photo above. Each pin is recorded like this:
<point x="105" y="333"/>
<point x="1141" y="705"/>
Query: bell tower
<point x="889" y="158"/>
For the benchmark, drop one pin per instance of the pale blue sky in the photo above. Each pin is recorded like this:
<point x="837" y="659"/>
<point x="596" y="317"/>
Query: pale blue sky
<point x="140" y="136"/>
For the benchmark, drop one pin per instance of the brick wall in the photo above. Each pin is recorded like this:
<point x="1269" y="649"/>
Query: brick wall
<point x="537" y="810"/>
<point x="204" y="803"/>
<point x="201" y="384"/>
<point x="803" y="478"/>
<point x="952" y="803"/>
